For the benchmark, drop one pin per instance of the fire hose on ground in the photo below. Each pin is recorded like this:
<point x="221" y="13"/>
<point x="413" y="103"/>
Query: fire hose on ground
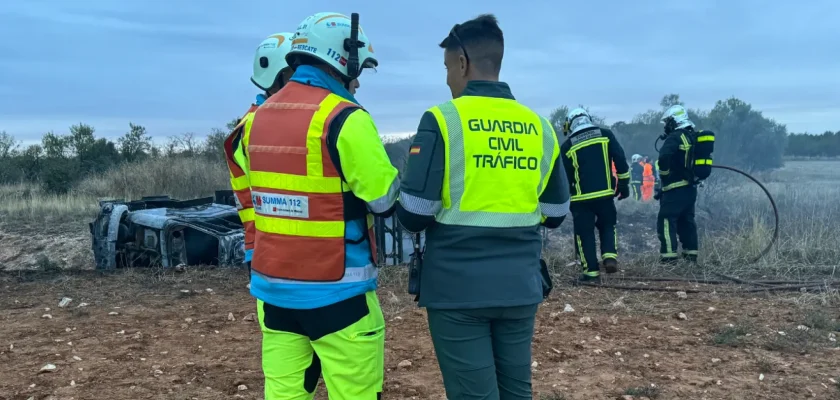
<point x="753" y="286"/>
<point x="757" y="286"/>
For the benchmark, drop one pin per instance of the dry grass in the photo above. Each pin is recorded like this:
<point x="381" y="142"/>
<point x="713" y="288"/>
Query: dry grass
<point x="23" y="203"/>
<point x="735" y="224"/>
<point x="734" y="217"/>
<point x="181" y="178"/>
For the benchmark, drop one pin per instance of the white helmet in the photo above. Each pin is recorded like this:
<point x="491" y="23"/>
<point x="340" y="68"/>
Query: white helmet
<point x="270" y="59"/>
<point x="323" y="36"/>
<point x="635" y="158"/>
<point x="577" y="120"/>
<point x="679" y="115"/>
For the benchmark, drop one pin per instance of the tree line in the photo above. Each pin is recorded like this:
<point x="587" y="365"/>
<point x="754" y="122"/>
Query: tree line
<point x="744" y="138"/>
<point x="807" y="145"/>
<point x="60" y="161"/>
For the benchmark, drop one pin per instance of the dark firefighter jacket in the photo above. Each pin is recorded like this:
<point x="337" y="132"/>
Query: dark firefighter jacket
<point x="468" y="267"/>
<point x="586" y="157"/>
<point x="637" y="172"/>
<point x="674" y="168"/>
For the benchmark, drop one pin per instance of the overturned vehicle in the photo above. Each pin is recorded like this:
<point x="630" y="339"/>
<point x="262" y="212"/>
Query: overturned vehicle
<point x="161" y="231"/>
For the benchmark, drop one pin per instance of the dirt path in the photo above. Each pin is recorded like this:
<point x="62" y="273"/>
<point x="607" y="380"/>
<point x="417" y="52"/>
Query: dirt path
<point x="143" y="335"/>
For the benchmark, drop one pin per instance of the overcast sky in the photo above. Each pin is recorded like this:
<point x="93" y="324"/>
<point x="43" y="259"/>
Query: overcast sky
<point x="184" y="65"/>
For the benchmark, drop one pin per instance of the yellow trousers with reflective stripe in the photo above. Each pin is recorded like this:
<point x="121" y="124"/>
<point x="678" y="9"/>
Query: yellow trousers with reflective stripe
<point x="352" y="359"/>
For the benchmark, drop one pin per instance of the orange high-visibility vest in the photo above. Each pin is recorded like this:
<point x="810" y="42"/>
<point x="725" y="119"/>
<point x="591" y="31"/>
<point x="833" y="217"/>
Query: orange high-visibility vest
<point x="239" y="181"/>
<point x="301" y="203"/>
<point x="647" y="182"/>
<point x="648" y="173"/>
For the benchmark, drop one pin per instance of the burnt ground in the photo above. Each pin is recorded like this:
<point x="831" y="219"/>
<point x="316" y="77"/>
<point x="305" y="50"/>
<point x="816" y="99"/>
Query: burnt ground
<point x="144" y="334"/>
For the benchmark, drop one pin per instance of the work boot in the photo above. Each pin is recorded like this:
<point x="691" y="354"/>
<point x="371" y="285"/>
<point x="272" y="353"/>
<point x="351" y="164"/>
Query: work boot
<point x="610" y="265"/>
<point x="669" y="260"/>
<point x="589" y="277"/>
<point x="692" y="258"/>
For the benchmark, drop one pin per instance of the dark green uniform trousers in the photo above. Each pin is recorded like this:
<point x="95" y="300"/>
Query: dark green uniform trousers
<point x="485" y="353"/>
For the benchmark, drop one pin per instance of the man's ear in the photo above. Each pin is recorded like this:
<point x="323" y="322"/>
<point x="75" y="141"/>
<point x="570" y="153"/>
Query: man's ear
<point x="462" y="61"/>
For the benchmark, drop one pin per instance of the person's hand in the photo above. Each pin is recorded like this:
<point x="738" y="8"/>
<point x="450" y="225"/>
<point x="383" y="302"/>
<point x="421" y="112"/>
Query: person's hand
<point x="623" y="191"/>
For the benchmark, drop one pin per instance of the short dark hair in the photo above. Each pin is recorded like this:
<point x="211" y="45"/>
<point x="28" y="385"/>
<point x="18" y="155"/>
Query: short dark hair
<point x="482" y="40"/>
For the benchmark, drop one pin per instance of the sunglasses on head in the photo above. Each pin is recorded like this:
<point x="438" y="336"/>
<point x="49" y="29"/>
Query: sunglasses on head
<point x="454" y="34"/>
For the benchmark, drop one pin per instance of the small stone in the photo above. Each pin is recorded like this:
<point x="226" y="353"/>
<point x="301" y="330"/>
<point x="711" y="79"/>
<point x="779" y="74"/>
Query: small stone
<point x="77" y="358"/>
<point x="68" y="330"/>
<point x="719" y="382"/>
<point x="682" y="295"/>
<point x="568" y="308"/>
<point x="534" y="364"/>
<point x="112" y="313"/>
<point x="618" y="354"/>
<point x="404" y="364"/>
<point x="188" y="320"/>
<point x="682" y="316"/>
<point x="597" y="337"/>
<point x="646" y="356"/>
<point x="185" y="291"/>
<point x="252" y="317"/>
<point x="598" y="351"/>
<point x="209" y="290"/>
<point x="614" y="320"/>
<point x="585" y="320"/>
<point x="672" y="377"/>
<point x="72" y="383"/>
<point x="760" y="377"/>
<point x="48" y="368"/>
<point x="122" y="332"/>
<point x="82" y="305"/>
<point x="715" y="360"/>
<point x="46" y="316"/>
<point x="782" y="333"/>
<point x="65" y="302"/>
<point x="158" y="372"/>
<point x="248" y="286"/>
<point x="242" y="388"/>
<point x="231" y="317"/>
<point x="802" y="328"/>
<point x="711" y="309"/>
<point x="832" y="337"/>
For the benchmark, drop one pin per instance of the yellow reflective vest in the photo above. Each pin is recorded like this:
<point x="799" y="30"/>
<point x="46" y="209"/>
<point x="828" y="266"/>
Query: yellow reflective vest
<point x="499" y="155"/>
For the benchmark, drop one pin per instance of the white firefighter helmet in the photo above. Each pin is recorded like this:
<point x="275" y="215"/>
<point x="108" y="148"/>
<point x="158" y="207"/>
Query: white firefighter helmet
<point x="636" y="158"/>
<point x="322" y="36"/>
<point x="577" y="120"/>
<point x="270" y="59"/>
<point x="680" y="116"/>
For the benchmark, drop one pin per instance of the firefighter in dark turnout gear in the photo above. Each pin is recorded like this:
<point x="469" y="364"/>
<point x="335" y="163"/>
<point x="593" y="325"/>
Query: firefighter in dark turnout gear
<point x="637" y="172"/>
<point x="587" y="155"/>
<point x="678" y="188"/>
